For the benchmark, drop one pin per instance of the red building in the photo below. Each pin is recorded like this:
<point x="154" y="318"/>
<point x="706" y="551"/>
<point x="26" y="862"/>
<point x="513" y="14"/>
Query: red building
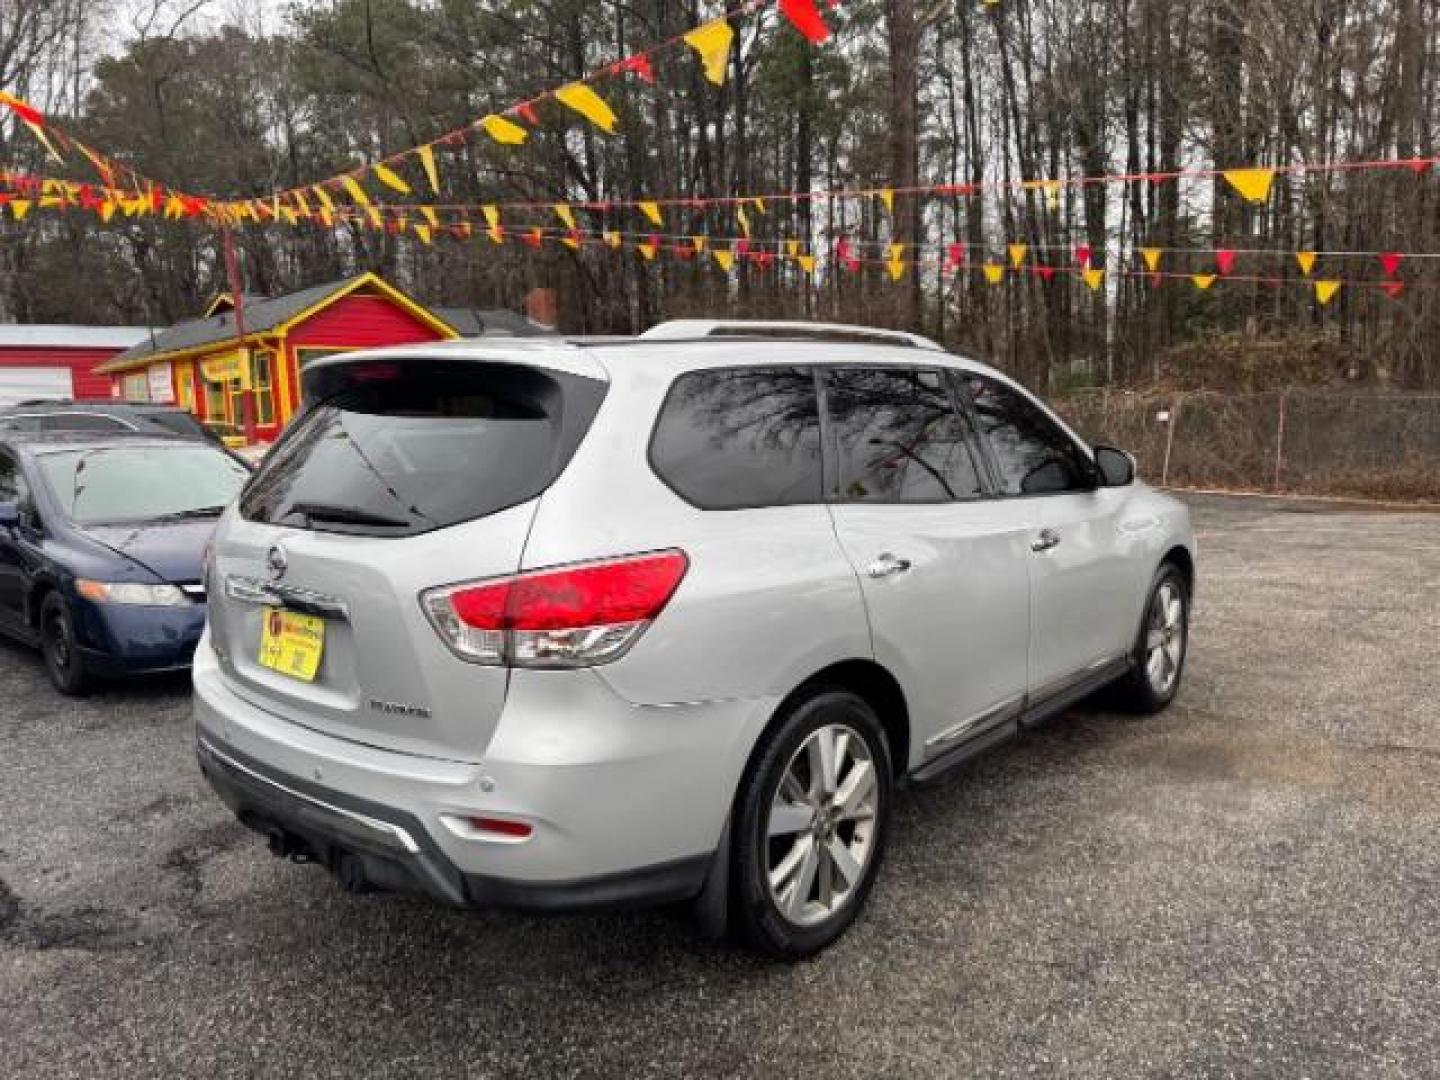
<point x="44" y="361"/>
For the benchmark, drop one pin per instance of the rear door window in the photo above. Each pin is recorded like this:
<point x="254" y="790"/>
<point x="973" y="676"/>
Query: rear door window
<point x="398" y="448"/>
<point x="734" y="438"/>
<point x="899" y="437"/>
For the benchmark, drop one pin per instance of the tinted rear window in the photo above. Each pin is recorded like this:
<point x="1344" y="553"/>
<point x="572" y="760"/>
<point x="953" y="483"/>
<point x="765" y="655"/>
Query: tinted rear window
<point x="398" y="448"/>
<point x="740" y="437"/>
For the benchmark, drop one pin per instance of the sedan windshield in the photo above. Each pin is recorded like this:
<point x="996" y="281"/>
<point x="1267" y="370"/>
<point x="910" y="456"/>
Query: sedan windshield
<point x="141" y="483"/>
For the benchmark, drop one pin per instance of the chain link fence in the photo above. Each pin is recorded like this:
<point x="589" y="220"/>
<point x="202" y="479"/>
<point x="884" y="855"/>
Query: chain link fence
<point x="1307" y="442"/>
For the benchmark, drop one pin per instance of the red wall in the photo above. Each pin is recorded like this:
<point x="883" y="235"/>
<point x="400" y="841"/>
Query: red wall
<point x="81" y="363"/>
<point x="360" y="322"/>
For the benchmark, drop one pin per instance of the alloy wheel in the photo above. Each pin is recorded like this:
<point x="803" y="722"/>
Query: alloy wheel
<point x="1165" y="638"/>
<point x="821" y="828"/>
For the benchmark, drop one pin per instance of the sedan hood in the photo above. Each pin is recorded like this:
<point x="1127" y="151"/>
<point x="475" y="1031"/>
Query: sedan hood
<point x="171" y="550"/>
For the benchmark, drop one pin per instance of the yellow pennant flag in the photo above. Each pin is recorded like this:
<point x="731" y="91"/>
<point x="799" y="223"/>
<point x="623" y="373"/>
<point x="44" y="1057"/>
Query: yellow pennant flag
<point x="759" y="205"/>
<point x="426" y="154"/>
<point x="647" y="251"/>
<point x="652" y="211"/>
<point x="1052" y="193"/>
<point x="107" y="209"/>
<point x="376" y="221"/>
<point x="896" y="264"/>
<point x="356" y="192"/>
<point x="505" y="132"/>
<point x="492" y="216"/>
<point x="1306" y="259"/>
<point x="423" y="232"/>
<point x="327" y="206"/>
<point x="1325" y="291"/>
<point x="572" y="242"/>
<point x="301" y="206"/>
<point x="19" y="208"/>
<point x="565" y="214"/>
<point x="792" y="248"/>
<point x="1017" y="254"/>
<point x="1152" y="258"/>
<point x="1252" y="184"/>
<point x="612" y="237"/>
<point x="887" y="196"/>
<point x="1094" y="277"/>
<point x="724" y="259"/>
<point x="807" y="263"/>
<point x="588" y="104"/>
<point x="391" y="179"/>
<point x="712" y="42"/>
<point x="289" y="215"/>
<point x="496" y="234"/>
<point x="429" y="215"/>
<point x="744" y="220"/>
<point x="1203" y="281"/>
<point x="699" y="242"/>
<point x="994" y="273"/>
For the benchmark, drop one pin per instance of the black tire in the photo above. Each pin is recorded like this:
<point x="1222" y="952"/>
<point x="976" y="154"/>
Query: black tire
<point x="63" y="661"/>
<point x="758" y="918"/>
<point x="1137" y="692"/>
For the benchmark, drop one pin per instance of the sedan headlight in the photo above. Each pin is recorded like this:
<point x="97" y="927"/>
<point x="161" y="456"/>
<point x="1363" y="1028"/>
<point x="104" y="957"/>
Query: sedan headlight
<point x="131" y="592"/>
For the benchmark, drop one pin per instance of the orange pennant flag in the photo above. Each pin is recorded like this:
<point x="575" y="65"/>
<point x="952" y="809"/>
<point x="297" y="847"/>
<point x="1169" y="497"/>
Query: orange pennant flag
<point x="1203" y="281"/>
<point x="1151" y="256"/>
<point x="426" y="154"/>
<point x="1325" y="291"/>
<point x="712" y="42"/>
<point x="588" y="104"/>
<point x="652" y="211"/>
<point x="391" y="179"/>
<point x="1306" y="259"/>
<point x="505" y="132"/>
<point x="1252" y="184"/>
<point x="1017" y="254"/>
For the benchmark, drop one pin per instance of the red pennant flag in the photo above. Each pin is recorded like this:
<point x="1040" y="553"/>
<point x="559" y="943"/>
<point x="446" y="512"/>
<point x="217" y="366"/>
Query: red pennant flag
<point x="1224" y="260"/>
<point x="639" y="64"/>
<point x="1393" y="289"/>
<point x="25" y="111"/>
<point x="88" y="199"/>
<point x="955" y="256"/>
<point x="532" y="238"/>
<point x="1083" y="254"/>
<point x="805" y="17"/>
<point x="1045" y="273"/>
<point x="527" y="113"/>
<point x="1154" y="277"/>
<point x="1390" y="261"/>
<point x="1421" y="166"/>
<point x="742" y="247"/>
<point x="763" y="259"/>
<point x="842" y="253"/>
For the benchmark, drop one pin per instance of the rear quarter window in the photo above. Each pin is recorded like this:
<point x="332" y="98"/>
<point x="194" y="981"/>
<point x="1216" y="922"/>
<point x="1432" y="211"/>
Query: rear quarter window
<point x="736" y="438"/>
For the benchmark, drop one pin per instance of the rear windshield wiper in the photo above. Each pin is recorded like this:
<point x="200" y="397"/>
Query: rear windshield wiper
<point x="345" y="515"/>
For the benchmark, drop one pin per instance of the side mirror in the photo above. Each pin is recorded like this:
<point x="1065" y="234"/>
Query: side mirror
<point x="1117" y="468"/>
<point x="9" y="515"/>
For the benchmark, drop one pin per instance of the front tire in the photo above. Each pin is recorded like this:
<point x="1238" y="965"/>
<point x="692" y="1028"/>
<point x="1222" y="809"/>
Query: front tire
<point x="813" y="816"/>
<point x="1161" y="646"/>
<point x="63" y="661"/>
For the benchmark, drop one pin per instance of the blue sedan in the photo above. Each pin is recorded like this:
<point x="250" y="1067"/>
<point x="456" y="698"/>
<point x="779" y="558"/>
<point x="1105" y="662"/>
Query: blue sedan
<point x="102" y="548"/>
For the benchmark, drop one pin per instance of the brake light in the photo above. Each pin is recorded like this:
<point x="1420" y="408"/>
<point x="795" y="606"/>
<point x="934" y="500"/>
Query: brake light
<point x="571" y="616"/>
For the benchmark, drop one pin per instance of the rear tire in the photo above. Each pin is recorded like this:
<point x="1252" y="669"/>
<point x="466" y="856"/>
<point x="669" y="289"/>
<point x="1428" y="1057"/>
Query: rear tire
<point x="1163" y="641"/>
<point x="63" y="661"/>
<point x="812" y="819"/>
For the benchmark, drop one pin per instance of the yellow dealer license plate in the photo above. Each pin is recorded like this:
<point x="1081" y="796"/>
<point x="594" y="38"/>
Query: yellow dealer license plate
<point x="292" y="643"/>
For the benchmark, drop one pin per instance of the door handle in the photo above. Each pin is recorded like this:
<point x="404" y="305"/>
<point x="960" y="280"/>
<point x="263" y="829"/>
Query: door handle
<point x="1047" y="539"/>
<point x="885" y="565"/>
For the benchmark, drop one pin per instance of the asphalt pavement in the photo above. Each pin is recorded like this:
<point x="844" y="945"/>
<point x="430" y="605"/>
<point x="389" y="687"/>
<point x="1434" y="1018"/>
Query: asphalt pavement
<point x="1248" y="885"/>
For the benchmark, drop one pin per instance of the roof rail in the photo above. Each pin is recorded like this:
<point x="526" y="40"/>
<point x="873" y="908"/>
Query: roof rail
<point x="678" y="329"/>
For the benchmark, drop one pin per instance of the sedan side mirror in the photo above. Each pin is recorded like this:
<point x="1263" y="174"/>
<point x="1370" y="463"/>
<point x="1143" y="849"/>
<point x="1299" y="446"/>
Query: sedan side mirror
<point x="1117" y="468"/>
<point x="9" y="515"/>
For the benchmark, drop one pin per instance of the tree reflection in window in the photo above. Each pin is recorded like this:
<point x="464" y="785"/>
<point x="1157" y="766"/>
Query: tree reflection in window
<point x="1034" y="454"/>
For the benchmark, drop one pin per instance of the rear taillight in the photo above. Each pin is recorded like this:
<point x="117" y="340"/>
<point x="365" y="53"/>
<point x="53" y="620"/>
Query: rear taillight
<point x="570" y="616"/>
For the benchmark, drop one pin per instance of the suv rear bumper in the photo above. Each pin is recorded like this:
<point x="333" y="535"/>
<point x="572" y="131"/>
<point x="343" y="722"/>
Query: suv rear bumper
<point x="370" y="845"/>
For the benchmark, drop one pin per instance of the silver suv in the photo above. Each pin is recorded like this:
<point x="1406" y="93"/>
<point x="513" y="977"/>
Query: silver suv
<point x="558" y="625"/>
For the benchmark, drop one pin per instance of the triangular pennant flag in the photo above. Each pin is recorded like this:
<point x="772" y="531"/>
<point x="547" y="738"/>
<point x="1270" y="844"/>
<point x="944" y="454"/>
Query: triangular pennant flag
<point x="391" y="179"/>
<point x="1017" y="254"/>
<point x="19" y="208"/>
<point x="373" y="212"/>
<point x="1151" y="255"/>
<point x="759" y="205"/>
<point x="426" y="155"/>
<point x="107" y="210"/>
<point x="887" y="196"/>
<point x="699" y="243"/>
<point x="845" y="255"/>
<point x="712" y="43"/>
<point x="1093" y="277"/>
<point x="723" y="259"/>
<point x="429" y="215"/>
<point x="423" y="232"/>
<point x="1306" y="261"/>
<point x="994" y="273"/>
<point x="355" y="191"/>
<point x="1325" y="291"/>
<point x="588" y="104"/>
<point x="1393" y="289"/>
<point x="534" y="237"/>
<point x="503" y="131"/>
<point x="571" y="240"/>
<point x="1083" y="254"/>
<point x="492" y="215"/>
<point x="639" y="64"/>
<point x="1390" y="262"/>
<point x="1045" y="273"/>
<point x="792" y="248"/>
<point x="612" y="237"/>
<point x="807" y="263"/>
<point x="1224" y="260"/>
<point x="652" y="211"/>
<point x="743" y="219"/>
<point x="647" y="251"/>
<point x="805" y="17"/>
<point x="1203" y="281"/>
<point x="1252" y="184"/>
<point x="496" y="233"/>
<point x="1052" y="193"/>
<point x="955" y="256"/>
<point x="896" y="262"/>
<point x="565" y="214"/>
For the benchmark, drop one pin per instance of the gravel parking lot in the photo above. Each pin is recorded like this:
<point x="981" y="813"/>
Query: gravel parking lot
<point x="1248" y="885"/>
